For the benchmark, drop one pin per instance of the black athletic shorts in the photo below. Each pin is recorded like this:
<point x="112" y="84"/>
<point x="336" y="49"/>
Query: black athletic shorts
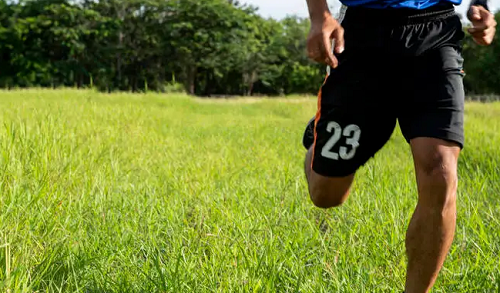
<point x="398" y="65"/>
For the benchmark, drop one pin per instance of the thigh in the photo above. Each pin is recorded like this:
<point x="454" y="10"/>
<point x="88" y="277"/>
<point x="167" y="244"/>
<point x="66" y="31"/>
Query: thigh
<point x="353" y="120"/>
<point x="435" y="104"/>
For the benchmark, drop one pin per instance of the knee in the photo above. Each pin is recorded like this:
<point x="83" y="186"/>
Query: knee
<point x="327" y="192"/>
<point x="437" y="181"/>
<point x="326" y="198"/>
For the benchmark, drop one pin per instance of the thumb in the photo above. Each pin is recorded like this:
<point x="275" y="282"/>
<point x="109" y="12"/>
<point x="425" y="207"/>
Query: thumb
<point x="338" y="36"/>
<point x="327" y="47"/>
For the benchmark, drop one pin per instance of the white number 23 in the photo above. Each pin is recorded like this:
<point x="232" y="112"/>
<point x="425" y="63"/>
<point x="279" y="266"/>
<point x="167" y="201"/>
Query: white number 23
<point x="351" y="132"/>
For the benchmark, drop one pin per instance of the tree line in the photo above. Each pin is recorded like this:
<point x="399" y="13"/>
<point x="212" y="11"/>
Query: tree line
<point x="203" y="47"/>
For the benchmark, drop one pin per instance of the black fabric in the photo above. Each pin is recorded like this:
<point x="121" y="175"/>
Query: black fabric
<point x="411" y="73"/>
<point x="401" y="16"/>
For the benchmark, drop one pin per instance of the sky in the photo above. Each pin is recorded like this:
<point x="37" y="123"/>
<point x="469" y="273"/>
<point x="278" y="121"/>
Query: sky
<point x="281" y="8"/>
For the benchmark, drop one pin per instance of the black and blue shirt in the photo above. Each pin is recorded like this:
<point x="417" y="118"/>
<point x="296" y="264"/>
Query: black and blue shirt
<point x="412" y="4"/>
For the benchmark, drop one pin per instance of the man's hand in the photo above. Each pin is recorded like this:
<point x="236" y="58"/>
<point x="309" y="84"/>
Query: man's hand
<point x="319" y="42"/>
<point x="483" y="25"/>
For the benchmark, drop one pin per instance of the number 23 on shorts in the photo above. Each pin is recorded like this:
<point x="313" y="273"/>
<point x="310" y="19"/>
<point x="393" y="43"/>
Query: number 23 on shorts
<point x="351" y="132"/>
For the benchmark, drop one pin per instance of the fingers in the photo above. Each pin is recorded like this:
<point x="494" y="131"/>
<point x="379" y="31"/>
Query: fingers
<point x="474" y="14"/>
<point x="483" y="25"/>
<point x="320" y="50"/>
<point x="481" y="31"/>
<point x="481" y="18"/>
<point x="338" y="36"/>
<point x="315" y="51"/>
<point x="327" y="51"/>
<point x="483" y="37"/>
<point x="319" y="43"/>
<point x="320" y="55"/>
<point x="483" y="40"/>
<point x="488" y="19"/>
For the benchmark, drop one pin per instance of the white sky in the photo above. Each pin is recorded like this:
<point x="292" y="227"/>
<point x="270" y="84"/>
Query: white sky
<point x="280" y="8"/>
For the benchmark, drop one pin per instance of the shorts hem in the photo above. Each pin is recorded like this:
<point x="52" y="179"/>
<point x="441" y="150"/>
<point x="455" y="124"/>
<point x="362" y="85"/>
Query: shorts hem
<point x="444" y="135"/>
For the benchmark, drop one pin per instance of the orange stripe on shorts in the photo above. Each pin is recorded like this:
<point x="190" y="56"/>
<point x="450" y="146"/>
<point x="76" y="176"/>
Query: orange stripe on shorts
<point x="318" y="116"/>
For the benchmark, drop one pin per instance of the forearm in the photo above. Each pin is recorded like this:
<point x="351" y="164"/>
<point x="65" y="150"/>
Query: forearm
<point x="483" y="3"/>
<point x="318" y="9"/>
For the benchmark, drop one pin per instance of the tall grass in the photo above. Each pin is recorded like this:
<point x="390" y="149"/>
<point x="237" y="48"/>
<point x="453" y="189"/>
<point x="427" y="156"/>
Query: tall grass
<point x="156" y="193"/>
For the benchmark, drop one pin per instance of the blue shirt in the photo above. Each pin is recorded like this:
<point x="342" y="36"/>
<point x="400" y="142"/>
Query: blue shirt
<point x="414" y="4"/>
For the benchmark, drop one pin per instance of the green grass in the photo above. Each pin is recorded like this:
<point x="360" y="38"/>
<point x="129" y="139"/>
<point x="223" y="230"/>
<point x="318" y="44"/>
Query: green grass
<point x="155" y="193"/>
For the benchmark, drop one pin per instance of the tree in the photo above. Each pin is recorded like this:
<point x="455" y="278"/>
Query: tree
<point x="212" y="47"/>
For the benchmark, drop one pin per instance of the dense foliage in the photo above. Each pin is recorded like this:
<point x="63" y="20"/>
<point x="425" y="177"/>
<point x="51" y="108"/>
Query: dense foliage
<point x="206" y="47"/>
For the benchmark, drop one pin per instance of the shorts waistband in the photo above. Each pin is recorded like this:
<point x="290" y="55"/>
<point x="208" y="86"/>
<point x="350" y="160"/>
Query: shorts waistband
<point x="399" y="16"/>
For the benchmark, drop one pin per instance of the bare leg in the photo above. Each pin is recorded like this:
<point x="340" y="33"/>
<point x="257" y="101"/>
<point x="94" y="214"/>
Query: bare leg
<point x="326" y="192"/>
<point x="432" y="227"/>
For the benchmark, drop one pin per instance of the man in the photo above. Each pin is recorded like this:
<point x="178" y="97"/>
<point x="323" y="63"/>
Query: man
<point x="394" y="60"/>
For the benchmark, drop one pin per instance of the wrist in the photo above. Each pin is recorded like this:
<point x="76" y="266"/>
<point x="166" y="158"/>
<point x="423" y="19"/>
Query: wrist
<point x="322" y="20"/>
<point x="320" y="16"/>
<point x="318" y="11"/>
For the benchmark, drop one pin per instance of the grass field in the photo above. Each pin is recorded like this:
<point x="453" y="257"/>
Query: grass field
<point x="155" y="193"/>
